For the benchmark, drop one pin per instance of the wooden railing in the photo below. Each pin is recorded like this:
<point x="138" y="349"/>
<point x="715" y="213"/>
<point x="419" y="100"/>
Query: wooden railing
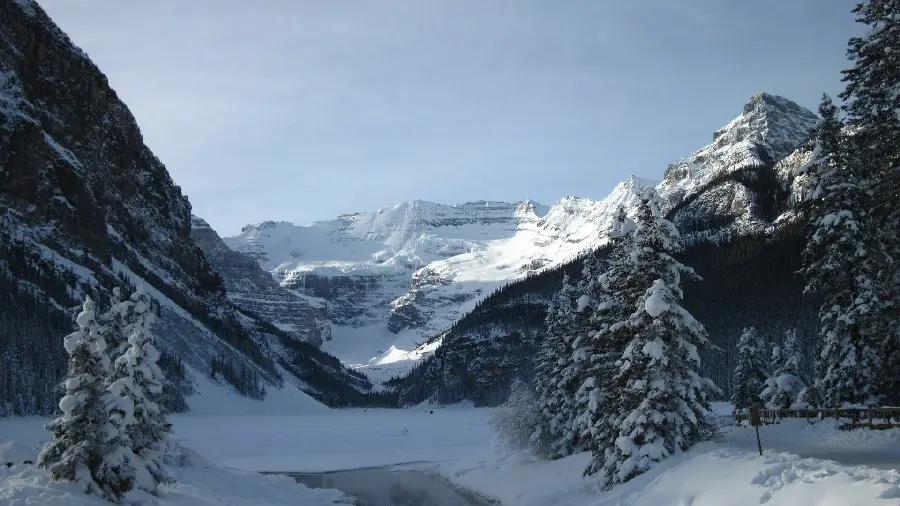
<point x="871" y="418"/>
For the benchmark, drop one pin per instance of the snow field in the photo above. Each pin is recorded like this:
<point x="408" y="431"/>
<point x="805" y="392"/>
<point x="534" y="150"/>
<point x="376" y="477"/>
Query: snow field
<point x="458" y="443"/>
<point x="336" y="439"/>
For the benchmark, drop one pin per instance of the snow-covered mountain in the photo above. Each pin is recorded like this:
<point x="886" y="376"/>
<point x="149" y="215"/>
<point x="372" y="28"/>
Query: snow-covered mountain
<point x="742" y="180"/>
<point x="770" y="128"/>
<point x="254" y="290"/>
<point x="393" y="278"/>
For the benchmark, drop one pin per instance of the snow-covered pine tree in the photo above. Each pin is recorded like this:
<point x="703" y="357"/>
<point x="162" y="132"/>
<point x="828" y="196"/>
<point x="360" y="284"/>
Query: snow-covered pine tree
<point x="78" y="449"/>
<point x="575" y="372"/>
<point x="661" y="400"/>
<point x="136" y="377"/>
<point x="872" y="103"/>
<point x="606" y="334"/>
<point x="784" y="386"/>
<point x="118" y="321"/>
<point x="751" y="371"/>
<point x="556" y="391"/>
<point x="841" y="261"/>
<point x="872" y="93"/>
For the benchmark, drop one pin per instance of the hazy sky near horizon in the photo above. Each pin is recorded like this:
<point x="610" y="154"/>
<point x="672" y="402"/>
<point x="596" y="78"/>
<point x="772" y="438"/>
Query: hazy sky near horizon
<point x="301" y="110"/>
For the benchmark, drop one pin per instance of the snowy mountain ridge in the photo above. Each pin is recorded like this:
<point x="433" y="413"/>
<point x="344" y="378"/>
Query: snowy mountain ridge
<point x="769" y="129"/>
<point x="403" y="274"/>
<point x="393" y="278"/>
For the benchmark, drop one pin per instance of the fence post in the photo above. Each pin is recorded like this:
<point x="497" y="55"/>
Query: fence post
<point x="755" y="421"/>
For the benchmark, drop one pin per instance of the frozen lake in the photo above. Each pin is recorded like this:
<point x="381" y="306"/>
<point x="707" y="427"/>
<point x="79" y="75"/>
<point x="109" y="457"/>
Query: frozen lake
<point x="384" y="486"/>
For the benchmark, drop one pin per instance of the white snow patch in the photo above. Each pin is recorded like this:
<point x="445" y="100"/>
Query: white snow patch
<point x="656" y="304"/>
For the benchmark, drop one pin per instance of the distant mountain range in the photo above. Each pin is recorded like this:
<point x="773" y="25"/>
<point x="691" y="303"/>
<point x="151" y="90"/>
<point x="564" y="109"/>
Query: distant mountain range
<point x="392" y="279"/>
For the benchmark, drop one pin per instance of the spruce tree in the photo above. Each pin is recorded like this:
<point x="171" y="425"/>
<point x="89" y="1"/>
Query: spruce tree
<point x="78" y="449"/>
<point x="872" y="103"/>
<point x="136" y="378"/>
<point x="783" y="388"/>
<point x="872" y="93"/>
<point x="118" y="320"/>
<point x="660" y="400"/>
<point x="555" y="388"/>
<point x="841" y="261"/>
<point x="575" y="372"/>
<point x="751" y="372"/>
<point x="607" y="333"/>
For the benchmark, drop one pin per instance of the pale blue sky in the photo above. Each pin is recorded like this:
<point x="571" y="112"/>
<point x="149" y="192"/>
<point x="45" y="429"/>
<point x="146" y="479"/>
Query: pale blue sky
<point x="302" y="110"/>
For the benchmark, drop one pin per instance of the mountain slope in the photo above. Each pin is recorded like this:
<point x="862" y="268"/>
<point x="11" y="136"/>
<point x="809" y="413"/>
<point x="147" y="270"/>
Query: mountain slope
<point x="769" y="128"/>
<point x="85" y="207"/>
<point x="253" y="289"/>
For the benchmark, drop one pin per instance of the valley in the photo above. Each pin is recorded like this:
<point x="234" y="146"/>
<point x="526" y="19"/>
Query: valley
<point x="718" y="330"/>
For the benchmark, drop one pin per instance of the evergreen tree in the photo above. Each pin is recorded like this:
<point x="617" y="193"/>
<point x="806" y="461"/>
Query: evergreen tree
<point x="555" y="389"/>
<point x="872" y="103"/>
<point x="137" y="377"/>
<point x="872" y="93"/>
<point x="751" y="373"/>
<point x="575" y="372"/>
<point x="660" y="400"/>
<point x="841" y="262"/>
<point x="118" y="320"/>
<point x="79" y="449"/>
<point x="783" y="388"/>
<point x="607" y="335"/>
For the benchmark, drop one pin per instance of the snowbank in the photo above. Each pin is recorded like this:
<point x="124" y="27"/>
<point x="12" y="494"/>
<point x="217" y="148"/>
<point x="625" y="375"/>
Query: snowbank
<point x="198" y="481"/>
<point x="709" y="475"/>
<point x="457" y="442"/>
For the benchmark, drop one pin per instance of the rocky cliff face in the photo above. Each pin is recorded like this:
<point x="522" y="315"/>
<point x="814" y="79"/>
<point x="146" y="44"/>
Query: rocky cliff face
<point x="85" y="206"/>
<point x="253" y="289"/>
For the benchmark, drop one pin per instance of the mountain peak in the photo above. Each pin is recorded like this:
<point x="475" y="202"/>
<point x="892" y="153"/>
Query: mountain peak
<point x="198" y="223"/>
<point x="769" y="128"/>
<point x="775" y="108"/>
<point x="639" y="182"/>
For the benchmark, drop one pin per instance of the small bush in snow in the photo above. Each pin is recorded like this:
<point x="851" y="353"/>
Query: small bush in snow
<point x="784" y="387"/>
<point x="751" y="372"/>
<point x="517" y="422"/>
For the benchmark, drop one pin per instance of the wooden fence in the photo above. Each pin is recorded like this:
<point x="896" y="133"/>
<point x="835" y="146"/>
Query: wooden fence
<point x="868" y="418"/>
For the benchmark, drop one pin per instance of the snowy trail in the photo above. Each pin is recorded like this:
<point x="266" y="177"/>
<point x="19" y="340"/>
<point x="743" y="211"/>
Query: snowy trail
<point x="875" y="449"/>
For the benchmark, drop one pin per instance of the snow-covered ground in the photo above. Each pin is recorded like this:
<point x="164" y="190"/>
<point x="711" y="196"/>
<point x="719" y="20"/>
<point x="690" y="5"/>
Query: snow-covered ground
<point x="457" y="443"/>
<point x="198" y="481"/>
